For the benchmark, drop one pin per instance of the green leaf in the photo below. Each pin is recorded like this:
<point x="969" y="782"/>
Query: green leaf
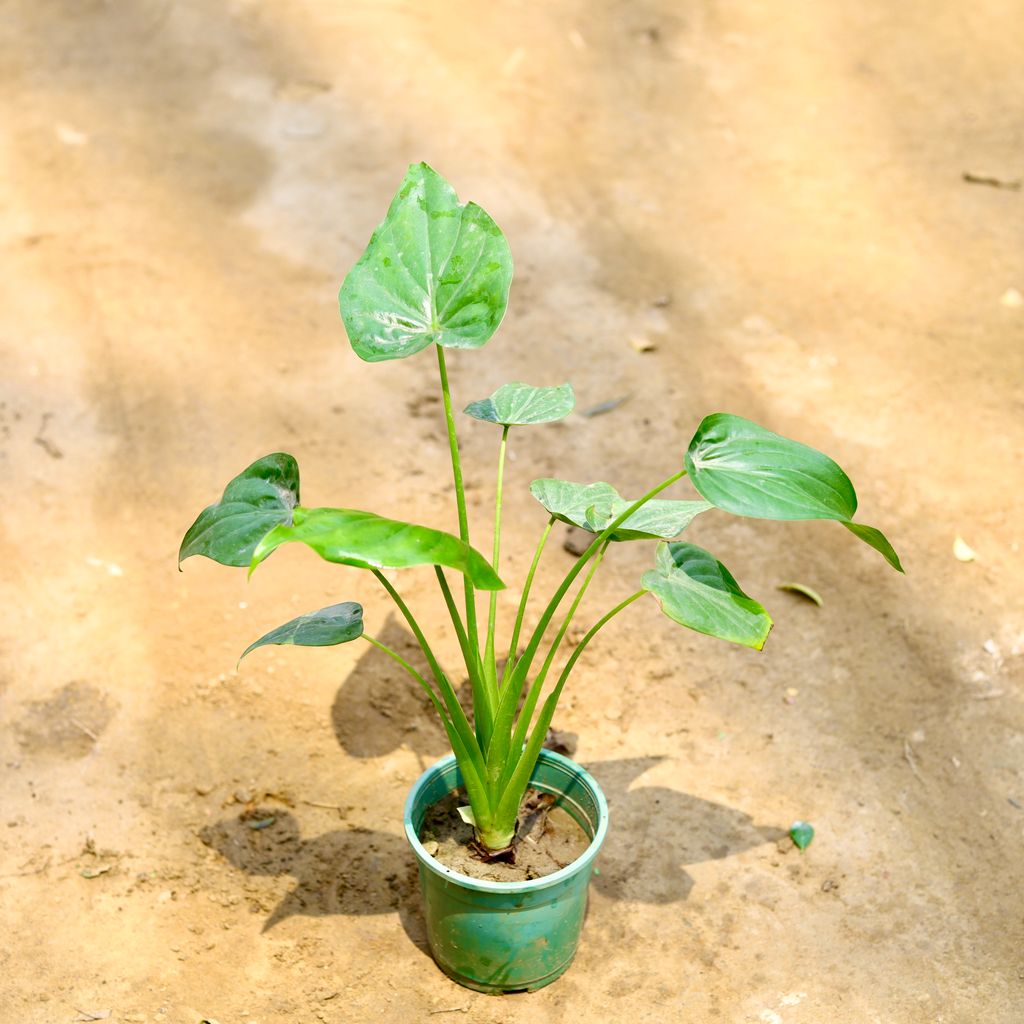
<point x="697" y="591"/>
<point x="369" y="541"/>
<point x="337" y="624"/>
<point x="434" y="271"/>
<point x="520" y="404"/>
<point x="749" y="471"/>
<point x="878" y="541"/>
<point x="257" y="500"/>
<point x="801" y="832"/>
<point x="594" y="506"/>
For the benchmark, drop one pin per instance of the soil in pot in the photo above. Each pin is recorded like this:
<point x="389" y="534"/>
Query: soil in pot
<point x="547" y="839"/>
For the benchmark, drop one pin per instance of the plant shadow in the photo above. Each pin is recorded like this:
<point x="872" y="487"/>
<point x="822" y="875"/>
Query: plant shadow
<point x="656" y="832"/>
<point x="358" y="871"/>
<point x="352" y="871"/>
<point x="378" y="708"/>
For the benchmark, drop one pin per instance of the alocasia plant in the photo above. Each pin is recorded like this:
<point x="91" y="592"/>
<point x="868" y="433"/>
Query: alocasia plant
<point x="437" y="273"/>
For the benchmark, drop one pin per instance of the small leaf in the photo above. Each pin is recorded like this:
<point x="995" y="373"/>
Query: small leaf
<point x="434" y="271"/>
<point x="466" y="814"/>
<point x="261" y="823"/>
<point x="696" y="590"/>
<point x="337" y="624"/>
<point x="594" y="506"/>
<point x="368" y="541"/>
<point x="801" y="832"/>
<point x="749" y="471"/>
<point x="100" y="869"/>
<point x="801" y="588"/>
<point x="258" y="499"/>
<point x="520" y="404"/>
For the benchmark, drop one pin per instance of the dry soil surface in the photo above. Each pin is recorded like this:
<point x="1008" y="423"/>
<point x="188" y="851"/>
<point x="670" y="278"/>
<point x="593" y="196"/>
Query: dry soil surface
<point x="769" y="194"/>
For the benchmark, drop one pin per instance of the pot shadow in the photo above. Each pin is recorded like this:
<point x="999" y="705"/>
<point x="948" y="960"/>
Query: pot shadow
<point x="352" y="871"/>
<point x="656" y="832"/>
<point x="358" y="871"/>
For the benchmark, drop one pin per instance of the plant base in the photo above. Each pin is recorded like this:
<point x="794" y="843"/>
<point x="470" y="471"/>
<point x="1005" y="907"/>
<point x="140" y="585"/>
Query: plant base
<point x="508" y="936"/>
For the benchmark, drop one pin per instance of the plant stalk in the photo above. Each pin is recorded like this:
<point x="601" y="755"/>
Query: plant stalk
<point x="522" y="600"/>
<point x="483" y="711"/>
<point x="492" y="611"/>
<point x="438" y="707"/>
<point x="460" y="498"/>
<point x="460" y="722"/>
<point x="556" y="600"/>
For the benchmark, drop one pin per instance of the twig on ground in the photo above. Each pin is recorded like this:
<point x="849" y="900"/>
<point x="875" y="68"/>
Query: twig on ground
<point x="908" y="754"/>
<point x="88" y="732"/>
<point x="981" y="179"/>
<point x="316" y="803"/>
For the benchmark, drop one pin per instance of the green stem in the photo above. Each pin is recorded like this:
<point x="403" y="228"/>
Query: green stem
<point x="526" y="594"/>
<point x="408" y="668"/>
<point x="483" y="710"/>
<point x="451" y="701"/>
<point x="492" y="610"/>
<point x="512" y="791"/>
<point x="460" y="496"/>
<point x="537" y="686"/>
<point x="588" y="636"/>
<point x="523" y="724"/>
<point x="556" y="600"/>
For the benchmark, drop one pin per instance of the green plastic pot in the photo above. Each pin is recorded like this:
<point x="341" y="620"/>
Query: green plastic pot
<point x="508" y="936"/>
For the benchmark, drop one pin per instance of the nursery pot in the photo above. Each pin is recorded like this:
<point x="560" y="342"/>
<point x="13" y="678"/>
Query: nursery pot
<point x="508" y="936"/>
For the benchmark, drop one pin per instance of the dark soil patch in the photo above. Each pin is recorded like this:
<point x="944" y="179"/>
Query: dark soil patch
<point x="547" y="840"/>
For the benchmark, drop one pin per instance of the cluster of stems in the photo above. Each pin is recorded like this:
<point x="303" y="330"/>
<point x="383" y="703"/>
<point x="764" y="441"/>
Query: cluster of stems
<point x="497" y="753"/>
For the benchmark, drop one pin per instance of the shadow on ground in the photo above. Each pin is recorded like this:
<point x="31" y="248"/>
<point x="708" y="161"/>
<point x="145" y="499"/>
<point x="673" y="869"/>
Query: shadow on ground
<point x="357" y="871"/>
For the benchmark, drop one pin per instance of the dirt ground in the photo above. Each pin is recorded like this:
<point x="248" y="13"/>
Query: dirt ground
<point x="771" y="194"/>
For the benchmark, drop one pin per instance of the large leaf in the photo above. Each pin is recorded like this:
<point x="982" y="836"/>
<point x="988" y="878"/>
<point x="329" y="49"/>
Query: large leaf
<point x="337" y="624"/>
<point x="434" y="271"/>
<point x="520" y="404"/>
<point x="595" y="506"/>
<point x="696" y="590"/>
<point x="370" y="541"/>
<point x="749" y="471"/>
<point x="257" y="500"/>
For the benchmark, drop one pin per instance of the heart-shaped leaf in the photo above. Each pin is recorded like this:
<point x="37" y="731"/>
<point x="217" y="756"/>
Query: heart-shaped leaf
<point x="520" y="404"/>
<point x="369" y="541"/>
<point x="434" y="271"/>
<point x="337" y="624"/>
<point x="595" y="506"/>
<point x="749" y="471"/>
<point x="696" y="590"/>
<point x="257" y="500"/>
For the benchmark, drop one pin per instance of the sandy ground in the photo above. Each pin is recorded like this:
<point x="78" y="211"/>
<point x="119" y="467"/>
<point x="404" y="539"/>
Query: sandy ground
<point x="771" y="194"/>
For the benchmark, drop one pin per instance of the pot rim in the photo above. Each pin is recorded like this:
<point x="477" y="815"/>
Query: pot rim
<point x="581" y="863"/>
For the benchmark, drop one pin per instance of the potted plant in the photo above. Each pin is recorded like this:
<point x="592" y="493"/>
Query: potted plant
<point x="436" y="274"/>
